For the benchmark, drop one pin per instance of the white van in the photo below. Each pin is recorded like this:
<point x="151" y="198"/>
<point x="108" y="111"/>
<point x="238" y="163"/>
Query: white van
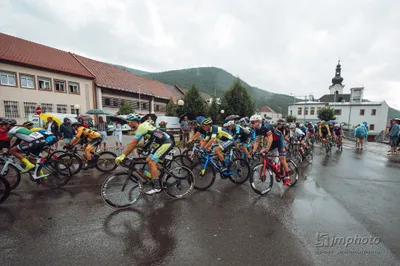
<point x="173" y="122"/>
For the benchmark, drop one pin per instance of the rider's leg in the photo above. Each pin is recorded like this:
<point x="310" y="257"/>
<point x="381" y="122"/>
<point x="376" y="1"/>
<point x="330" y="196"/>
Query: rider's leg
<point x="152" y="161"/>
<point x="246" y="151"/>
<point x="15" y="151"/>
<point x="220" y="155"/>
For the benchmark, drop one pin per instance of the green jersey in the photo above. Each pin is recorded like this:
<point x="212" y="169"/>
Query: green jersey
<point x="24" y="134"/>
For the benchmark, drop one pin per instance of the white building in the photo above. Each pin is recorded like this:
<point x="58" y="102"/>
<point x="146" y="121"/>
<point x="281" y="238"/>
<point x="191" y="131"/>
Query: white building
<point x="351" y="108"/>
<point x="268" y="114"/>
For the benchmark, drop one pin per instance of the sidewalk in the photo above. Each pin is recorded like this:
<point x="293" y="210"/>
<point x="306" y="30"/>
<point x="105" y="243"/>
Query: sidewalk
<point x="373" y="147"/>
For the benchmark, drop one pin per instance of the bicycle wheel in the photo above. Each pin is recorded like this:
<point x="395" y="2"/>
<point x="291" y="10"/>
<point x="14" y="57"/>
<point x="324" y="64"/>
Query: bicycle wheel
<point x="295" y="176"/>
<point x="308" y="156"/>
<point x="203" y="179"/>
<point x="328" y="149"/>
<point x="58" y="174"/>
<point x="261" y="179"/>
<point x="177" y="150"/>
<point x="177" y="182"/>
<point x="74" y="162"/>
<point x="240" y="170"/>
<point x="11" y="174"/>
<point x="182" y="160"/>
<point x="193" y="157"/>
<point x="106" y="162"/>
<point x="4" y="189"/>
<point x="121" y="190"/>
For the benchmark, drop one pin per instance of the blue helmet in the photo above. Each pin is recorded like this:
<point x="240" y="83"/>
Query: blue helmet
<point x="134" y="117"/>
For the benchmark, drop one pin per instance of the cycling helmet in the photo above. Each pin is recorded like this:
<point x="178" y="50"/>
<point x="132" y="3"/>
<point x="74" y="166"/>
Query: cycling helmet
<point x="76" y="124"/>
<point x="134" y="117"/>
<point x="255" y="118"/>
<point x="292" y="125"/>
<point x="11" y="122"/>
<point x="200" y="119"/>
<point x="335" y="125"/>
<point x="229" y="123"/>
<point x="27" y="124"/>
<point x="322" y="122"/>
<point x="207" y="121"/>
<point x="301" y="125"/>
<point x="193" y="122"/>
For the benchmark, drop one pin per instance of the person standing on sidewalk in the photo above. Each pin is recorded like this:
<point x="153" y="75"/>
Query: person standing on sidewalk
<point x="102" y="129"/>
<point x="394" y="135"/>
<point x="360" y="133"/>
<point x="118" y="134"/>
<point x="52" y="127"/>
<point x="185" y="129"/>
<point x="66" y="132"/>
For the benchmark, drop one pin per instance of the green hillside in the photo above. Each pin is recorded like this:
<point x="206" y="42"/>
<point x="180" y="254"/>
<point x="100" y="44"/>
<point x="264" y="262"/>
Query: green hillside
<point x="134" y="71"/>
<point x="393" y="113"/>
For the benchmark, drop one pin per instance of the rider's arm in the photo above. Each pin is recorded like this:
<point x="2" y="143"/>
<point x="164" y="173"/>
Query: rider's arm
<point x="269" y="140"/>
<point x="195" y="136"/>
<point x="131" y="146"/>
<point x="329" y="131"/>
<point x="208" y="145"/>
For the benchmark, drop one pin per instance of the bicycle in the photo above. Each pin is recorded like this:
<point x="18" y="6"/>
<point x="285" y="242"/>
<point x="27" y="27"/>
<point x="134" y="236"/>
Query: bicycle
<point x="121" y="190"/>
<point x="298" y="153"/>
<point x="104" y="161"/>
<point x="46" y="171"/>
<point x="4" y="189"/>
<point x="211" y="165"/>
<point x="259" y="174"/>
<point x="327" y="146"/>
<point x="339" y="143"/>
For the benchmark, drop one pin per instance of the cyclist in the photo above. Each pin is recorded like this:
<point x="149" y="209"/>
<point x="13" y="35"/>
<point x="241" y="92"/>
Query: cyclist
<point x="94" y="139"/>
<point x="198" y="131"/>
<point x="155" y="136"/>
<point x="303" y="128"/>
<point x="275" y="140"/>
<point x="240" y="135"/>
<point x="4" y="140"/>
<point x="214" y="132"/>
<point x="32" y="142"/>
<point x="338" y="134"/>
<point x="324" y="132"/>
<point x="310" y="130"/>
<point x="49" y="137"/>
<point x="297" y="134"/>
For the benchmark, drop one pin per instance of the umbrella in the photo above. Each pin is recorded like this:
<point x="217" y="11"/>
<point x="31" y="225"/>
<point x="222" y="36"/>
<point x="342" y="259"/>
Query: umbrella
<point x="44" y="117"/>
<point x="151" y="116"/>
<point x="96" y="112"/>
<point x="232" y="117"/>
<point x="118" y="119"/>
<point x="84" y="117"/>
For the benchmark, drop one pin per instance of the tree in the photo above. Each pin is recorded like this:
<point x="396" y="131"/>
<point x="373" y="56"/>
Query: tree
<point x="194" y="103"/>
<point x="291" y="118"/>
<point x="125" y="109"/>
<point x="213" y="110"/>
<point x="237" y="100"/>
<point x="171" y="108"/>
<point x="326" y="113"/>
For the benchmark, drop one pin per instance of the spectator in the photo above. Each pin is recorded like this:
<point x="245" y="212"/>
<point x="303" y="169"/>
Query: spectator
<point x="66" y="132"/>
<point x="102" y="129"/>
<point x="52" y="127"/>
<point x="185" y="129"/>
<point x="4" y="140"/>
<point x="360" y="133"/>
<point x="80" y="119"/>
<point x="394" y="135"/>
<point x="118" y="134"/>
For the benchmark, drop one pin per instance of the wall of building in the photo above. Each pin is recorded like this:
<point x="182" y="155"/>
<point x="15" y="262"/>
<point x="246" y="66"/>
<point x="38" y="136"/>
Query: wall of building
<point x="36" y="96"/>
<point x="275" y="116"/>
<point x="294" y="110"/>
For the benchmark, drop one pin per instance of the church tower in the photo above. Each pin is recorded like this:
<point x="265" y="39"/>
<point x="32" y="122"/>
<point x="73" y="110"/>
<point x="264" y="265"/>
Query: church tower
<point x="337" y="86"/>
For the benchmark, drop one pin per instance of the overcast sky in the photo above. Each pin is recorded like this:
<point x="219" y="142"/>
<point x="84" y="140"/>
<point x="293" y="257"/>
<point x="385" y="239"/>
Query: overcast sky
<point x="280" y="46"/>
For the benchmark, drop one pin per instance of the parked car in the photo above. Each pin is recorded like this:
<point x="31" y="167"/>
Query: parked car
<point x="111" y="128"/>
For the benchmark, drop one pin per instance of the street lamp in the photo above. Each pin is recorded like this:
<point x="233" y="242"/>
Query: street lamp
<point x="181" y="102"/>
<point x="222" y="111"/>
<point x="77" y="108"/>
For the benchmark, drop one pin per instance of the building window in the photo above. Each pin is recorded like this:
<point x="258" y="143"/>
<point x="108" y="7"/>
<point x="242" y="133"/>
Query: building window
<point x="372" y="127"/>
<point x="299" y="111"/>
<point x="107" y="102"/>
<point x="61" y="108"/>
<point x="312" y="111"/>
<point x="157" y="108"/>
<point x="59" y="85"/>
<point x="73" y="111"/>
<point x="144" y="106"/>
<point x="362" y="112"/>
<point x="27" y="81"/>
<point x="373" y="112"/>
<point x="73" y="87"/>
<point x="44" y="84"/>
<point x="306" y="110"/>
<point x="11" y="109"/>
<point x="29" y="108"/>
<point x="47" y="107"/>
<point x="338" y="112"/>
<point x="291" y="112"/>
<point x="7" y="79"/>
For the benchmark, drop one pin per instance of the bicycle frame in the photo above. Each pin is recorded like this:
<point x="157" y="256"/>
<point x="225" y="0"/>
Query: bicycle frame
<point x="10" y="161"/>
<point x="214" y="163"/>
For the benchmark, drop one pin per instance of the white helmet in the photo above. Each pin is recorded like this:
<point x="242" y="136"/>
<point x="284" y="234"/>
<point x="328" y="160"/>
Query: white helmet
<point x="229" y="123"/>
<point x="255" y="118"/>
<point x="301" y="125"/>
<point x="292" y="125"/>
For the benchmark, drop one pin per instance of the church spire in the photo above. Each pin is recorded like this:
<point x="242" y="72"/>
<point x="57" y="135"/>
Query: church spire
<point x="338" y="79"/>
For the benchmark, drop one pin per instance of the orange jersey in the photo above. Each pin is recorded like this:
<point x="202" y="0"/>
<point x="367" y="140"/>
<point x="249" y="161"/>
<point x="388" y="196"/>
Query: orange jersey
<point x="90" y="134"/>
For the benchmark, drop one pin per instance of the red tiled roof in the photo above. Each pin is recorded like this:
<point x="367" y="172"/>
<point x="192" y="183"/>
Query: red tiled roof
<point x="110" y="76"/>
<point x="29" y="53"/>
<point x="266" y="109"/>
<point x="175" y="91"/>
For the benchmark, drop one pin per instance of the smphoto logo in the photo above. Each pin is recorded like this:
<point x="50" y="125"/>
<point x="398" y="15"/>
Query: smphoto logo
<point x="330" y="240"/>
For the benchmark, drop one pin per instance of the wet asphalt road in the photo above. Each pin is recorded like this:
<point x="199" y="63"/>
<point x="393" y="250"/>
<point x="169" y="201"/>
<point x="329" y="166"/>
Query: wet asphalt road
<point x="348" y="195"/>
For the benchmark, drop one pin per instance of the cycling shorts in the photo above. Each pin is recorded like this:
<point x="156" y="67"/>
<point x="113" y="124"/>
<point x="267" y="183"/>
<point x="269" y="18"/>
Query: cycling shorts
<point x="227" y="145"/>
<point x="95" y="142"/>
<point x="279" y="144"/>
<point x="245" y="140"/>
<point x="34" y="147"/>
<point x="161" y="151"/>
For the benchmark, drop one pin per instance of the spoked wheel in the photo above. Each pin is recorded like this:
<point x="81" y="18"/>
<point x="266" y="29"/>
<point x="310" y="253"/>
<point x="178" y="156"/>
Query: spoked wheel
<point x="193" y="157"/>
<point x="328" y="149"/>
<point x="203" y="179"/>
<point x="57" y="174"/>
<point x="182" y="160"/>
<point x="261" y="179"/>
<point x="121" y="191"/>
<point x="106" y="162"/>
<point x="74" y="162"/>
<point x="178" y="182"/>
<point x="4" y="189"/>
<point x="239" y="170"/>
<point x="308" y="156"/>
<point x="295" y="176"/>
<point x="12" y="175"/>
<point x="176" y="150"/>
